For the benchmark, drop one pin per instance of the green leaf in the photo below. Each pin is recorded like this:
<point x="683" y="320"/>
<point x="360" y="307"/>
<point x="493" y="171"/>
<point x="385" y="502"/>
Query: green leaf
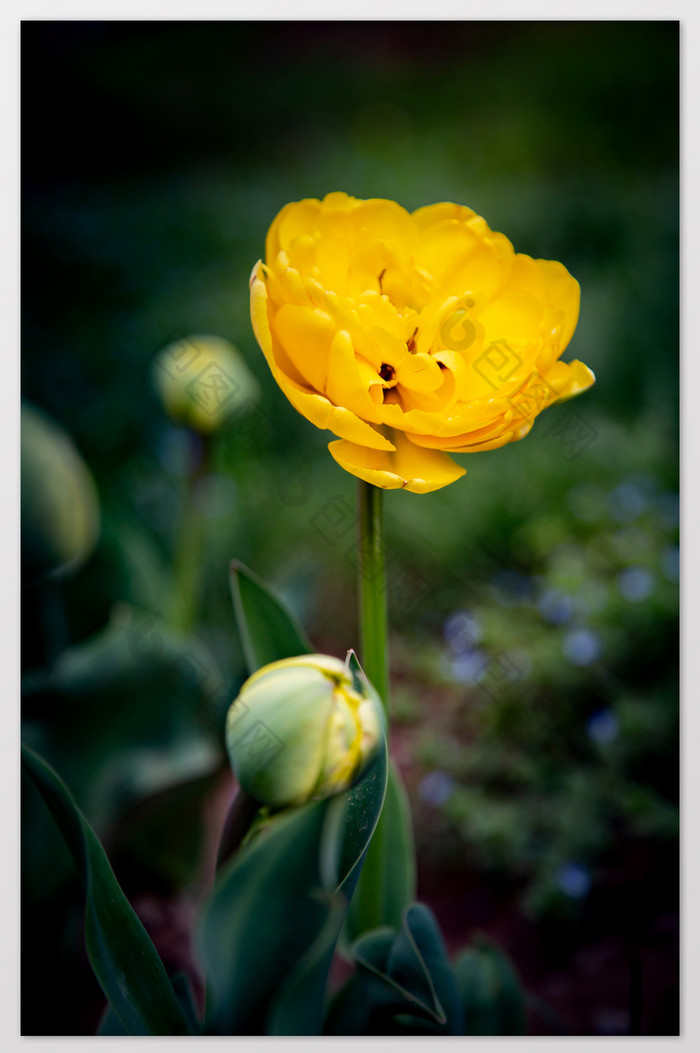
<point x="268" y="631"/>
<point x="269" y="930"/>
<point x="298" y="1008"/>
<point x="387" y="884"/>
<point x="492" y="998"/>
<point x="351" y="820"/>
<point x="110" y="1024"/>
<point x="121" y="953"/>
<point x="163" y="836"/>
<point x="132" y="710"/>
<point x="404" y="982"/>
<point x="365" y="1004"/>
<point x="415" y="965"/>
<point x="183" y="992"/>
<point x="419" y="952"/>
<point x="267" y="909"/>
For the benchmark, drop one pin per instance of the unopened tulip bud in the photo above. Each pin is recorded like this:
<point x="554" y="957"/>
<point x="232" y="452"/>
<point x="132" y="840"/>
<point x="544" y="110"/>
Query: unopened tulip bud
<point x="203" y="381"/>
<point x="60" y="508"/>
<point x="300" y="729"/>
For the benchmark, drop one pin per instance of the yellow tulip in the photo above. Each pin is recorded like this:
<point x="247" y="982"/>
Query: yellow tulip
<point x="411" y="334"/>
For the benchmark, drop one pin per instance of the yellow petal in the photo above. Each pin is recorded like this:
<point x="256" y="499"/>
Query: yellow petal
<point x="258" y="313"/>
<point x="381" y="220"/>
<point x="410" y="467"/>
<point x="444" y="246"/>
<point x="419" y="373"/>
<point x="338" y="419"/>
<point x="351" y="380"/>
<point x="339" y="199"/>
<point x="515" y="316"/>
<point x="564" y="293"/>
<point x="504" y="431"/>
<point x="552" y="285"/>
<point x="430" y="215"/>
<point x="314" y="407"/>
<point x="293" y="221"/>
<point x="570" y="379"/>
<point x="481" y="271"/>
<point x="306" y="335"/>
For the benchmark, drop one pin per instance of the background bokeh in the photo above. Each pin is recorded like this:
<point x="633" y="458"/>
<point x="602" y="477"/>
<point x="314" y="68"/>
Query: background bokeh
<point x="533" y="604"/>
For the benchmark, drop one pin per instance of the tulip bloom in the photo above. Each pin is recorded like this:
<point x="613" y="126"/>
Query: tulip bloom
<point x="411" y="334"/>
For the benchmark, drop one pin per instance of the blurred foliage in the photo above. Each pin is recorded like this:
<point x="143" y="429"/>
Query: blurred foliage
<point x="554" y="723"/>
<point x="533" y="604"/>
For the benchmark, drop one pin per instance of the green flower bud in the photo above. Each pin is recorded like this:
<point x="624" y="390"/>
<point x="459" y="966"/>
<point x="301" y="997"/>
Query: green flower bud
<point x="301" y="729"/>
<point x="60" y="511"/>
<point x="203" y="381"/>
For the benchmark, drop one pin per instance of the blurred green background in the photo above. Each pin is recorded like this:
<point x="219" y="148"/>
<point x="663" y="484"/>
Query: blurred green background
<point x="533" y="604"/>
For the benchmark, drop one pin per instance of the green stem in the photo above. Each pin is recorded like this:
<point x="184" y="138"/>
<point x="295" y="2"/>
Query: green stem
<point x="377" y="899"/>
<point x="188" y="545"/>
<point x="372" y="587"/>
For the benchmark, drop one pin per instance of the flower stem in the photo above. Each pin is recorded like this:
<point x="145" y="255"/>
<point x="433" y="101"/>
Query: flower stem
<point x="372" y="587"/>
<point x="189" y="539"/>
<point x="369" y="900"/>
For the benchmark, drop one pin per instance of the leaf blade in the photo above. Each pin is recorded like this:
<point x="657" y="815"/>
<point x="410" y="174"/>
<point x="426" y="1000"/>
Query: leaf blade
<point x="122" y="955"/>
<point x="389" y="866"/>
<point x="268" y="631"/>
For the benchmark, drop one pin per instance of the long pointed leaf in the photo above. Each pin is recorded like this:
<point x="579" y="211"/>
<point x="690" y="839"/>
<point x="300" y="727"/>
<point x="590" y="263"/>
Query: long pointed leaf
<point x="391" y="854"/>
<point x="122" y="955"/>
<point x="267" y="629"/>
<point x="492" y="997"/>
<point x="267" y="908"/>
<point x="298" y="1008"/>
<point x="270" y="927"/>
<point x="414" y="965"/>
<point x="404" y="983"/>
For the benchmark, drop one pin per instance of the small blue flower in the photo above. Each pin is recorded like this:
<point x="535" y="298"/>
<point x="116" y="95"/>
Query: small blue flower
<point x="462" y="632"/>
<point x="635" y="584"/>
<point x="582" y="646"/>
<point x="467" y="667"/>
<point x="603" y="726"/>
<point x="435" y="788"/>
<point x="556" y="607"/>
<point x="627" y="502"/>
<point x="574" y="880"/>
